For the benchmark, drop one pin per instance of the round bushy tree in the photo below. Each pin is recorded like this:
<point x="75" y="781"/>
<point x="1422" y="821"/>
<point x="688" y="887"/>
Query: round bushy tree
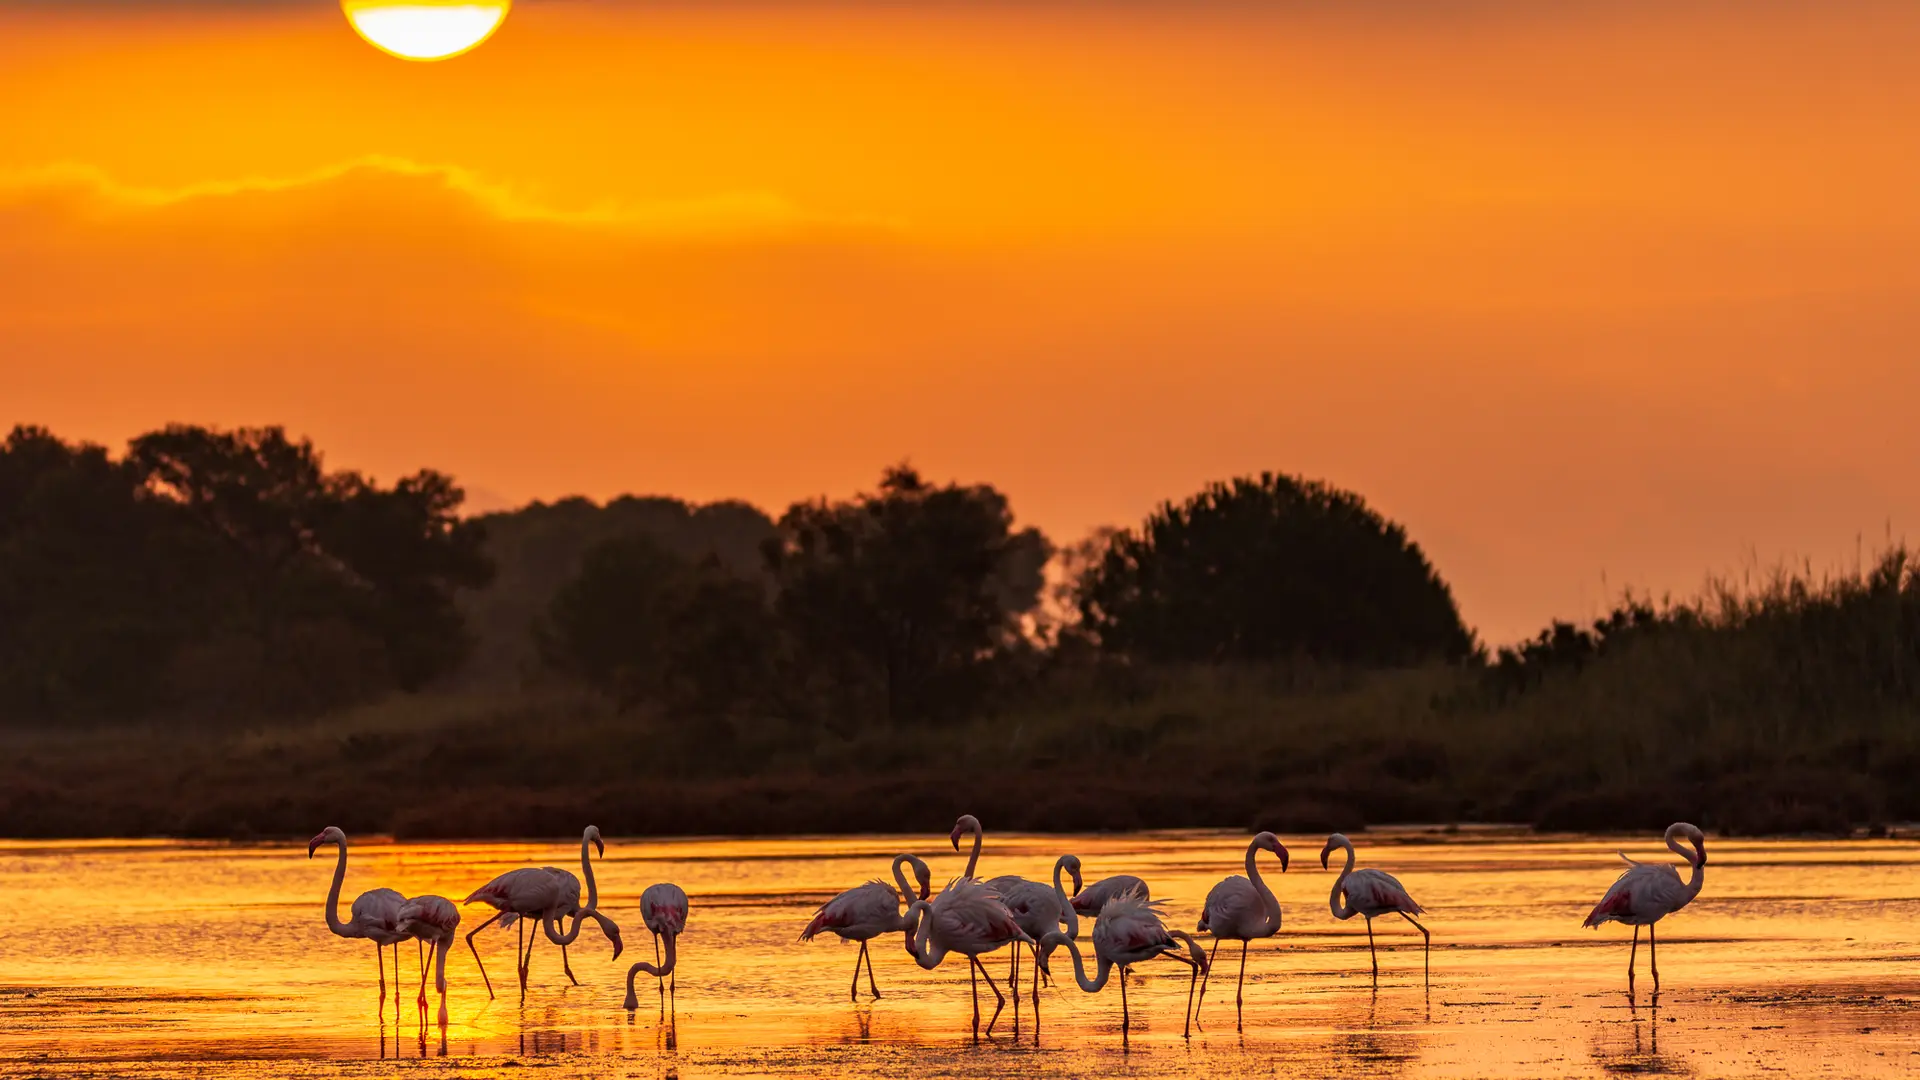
<point x="1277" y="566"/>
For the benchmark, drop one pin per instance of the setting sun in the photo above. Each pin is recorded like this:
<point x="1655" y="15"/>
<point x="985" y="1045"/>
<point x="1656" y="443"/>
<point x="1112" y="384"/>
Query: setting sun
<point x="425" y="30"/>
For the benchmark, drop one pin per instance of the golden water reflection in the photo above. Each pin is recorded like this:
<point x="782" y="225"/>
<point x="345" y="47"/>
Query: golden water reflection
<point x="164" y="959"/>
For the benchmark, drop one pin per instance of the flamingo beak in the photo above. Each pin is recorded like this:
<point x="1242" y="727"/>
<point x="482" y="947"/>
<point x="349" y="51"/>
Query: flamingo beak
<point x="599" y="846"/>
<point x="1281" y="850"/>
<point x="1324" y="852"/>
<point x="1701" y="850"/>
<point x="313" y="844"/>
<point x="956" y="839"/>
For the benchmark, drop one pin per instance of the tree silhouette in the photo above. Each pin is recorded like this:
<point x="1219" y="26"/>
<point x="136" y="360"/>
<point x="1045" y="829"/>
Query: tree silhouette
<point x="901" y="596"/>
<point x="1267" y="567"/>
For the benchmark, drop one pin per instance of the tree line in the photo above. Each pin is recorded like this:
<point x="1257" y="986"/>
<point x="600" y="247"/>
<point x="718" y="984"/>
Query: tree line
<point x="208" y="572"/>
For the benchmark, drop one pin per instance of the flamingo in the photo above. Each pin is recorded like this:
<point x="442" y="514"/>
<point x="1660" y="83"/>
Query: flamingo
<point x="663" y="908"/>
<point x="1648" y="892"/>
<point x="1092" y="899"/>
<point x="1241" y="909"/>
<point x="375" y="913"/>
<point x="1128" y="931"/>
<point x="966" y="918"/>
<point x="1033" y="903"/>
<point x="1371" y="892"/>
<point x="544" y="894"/>
<point x="1039" y="909"/>
<point x="432" y="919"/>
<point x="868" y="911"/>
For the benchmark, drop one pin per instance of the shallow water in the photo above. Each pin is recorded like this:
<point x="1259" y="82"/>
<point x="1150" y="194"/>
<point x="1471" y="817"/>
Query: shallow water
<point x="160" y="959"/>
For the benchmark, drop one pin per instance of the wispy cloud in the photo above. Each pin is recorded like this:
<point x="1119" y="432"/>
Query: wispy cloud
<point x="721" y="214"/>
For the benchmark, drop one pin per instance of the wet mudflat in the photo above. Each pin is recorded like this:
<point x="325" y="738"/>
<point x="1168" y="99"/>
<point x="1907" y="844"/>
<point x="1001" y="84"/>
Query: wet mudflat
<point x="1801" y="958"/>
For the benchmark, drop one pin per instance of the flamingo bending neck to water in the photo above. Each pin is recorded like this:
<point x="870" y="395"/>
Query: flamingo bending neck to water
<point x="375" y="914"/>
<point x="1370" y="893"/>
<point x="966" y="918"/>
<point x="544" y="894"/>
<point x="1128" y="931"/>
<point x="868" y="911"/>
<point x="1648" y="892"/>
<point x="1241" y="909"/>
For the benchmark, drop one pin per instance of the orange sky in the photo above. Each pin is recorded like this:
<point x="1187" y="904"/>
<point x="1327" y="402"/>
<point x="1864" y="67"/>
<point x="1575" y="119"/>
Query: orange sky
<point x="1575" y="290"/>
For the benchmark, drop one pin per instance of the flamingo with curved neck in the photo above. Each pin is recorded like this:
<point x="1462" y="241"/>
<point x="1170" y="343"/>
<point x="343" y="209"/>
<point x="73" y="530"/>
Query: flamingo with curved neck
<point x="1129" y="931"/>
<point x="375" y="914"/>
<point x="868" y="911"/>
<point x="968" y="823"/>
<point x="1242" y="909"/>
<point x="1371" y="893"/>
<point x="1648" y="892"/>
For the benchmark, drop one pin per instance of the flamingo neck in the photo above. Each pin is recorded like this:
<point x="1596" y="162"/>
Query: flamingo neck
<point x="1334" y="901"/>
<point x="1269" y="903"/>
<point x="973" y="860"/>
<point x="1069" y="916"/>
<point x="333" y="895"/>
<point x="920" y="944"/>
<point x="1699" y="876"/>
<point x="900" y="877"/>
<point x="1103" y="967"/>
<point x="440" y="969"/>
<point x="586" y="871"/>
<point x="661" y="972"/>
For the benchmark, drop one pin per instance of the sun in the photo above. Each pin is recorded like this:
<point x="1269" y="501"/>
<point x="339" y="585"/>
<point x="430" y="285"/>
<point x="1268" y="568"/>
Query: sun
<point x="425" y="29"/>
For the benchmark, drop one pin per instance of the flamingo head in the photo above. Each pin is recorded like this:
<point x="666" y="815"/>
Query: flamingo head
<point x="330" y="835"/>
<point x="1269" y="842"/>
<point x="925" y="878"/>
<point x="967" y="824"/>
<point x="1071" y="864"/>
<point x="1694" y="835"/>
<point x="593" y="835"/>
<point x="1334" y="843"/>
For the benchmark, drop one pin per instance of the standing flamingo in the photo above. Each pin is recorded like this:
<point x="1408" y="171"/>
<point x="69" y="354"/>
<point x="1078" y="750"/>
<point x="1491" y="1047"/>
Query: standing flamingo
<point x="544" y="894"/>
<point x="432" y="919"/>
<point x="1648" y="892"/>
<point x="1039" y="909"/>
<point x="1095" y="897"/>
<point x="663" y="908"/>
<point x="1241" y="909"/>
<point x="375" y="913"/>
<point x="1127" y="931"/>
<point x="966" y="918"/>
<point x="1371" y="892"/>
<point x="1033" y="903"/>
<point x="868" y="911"/>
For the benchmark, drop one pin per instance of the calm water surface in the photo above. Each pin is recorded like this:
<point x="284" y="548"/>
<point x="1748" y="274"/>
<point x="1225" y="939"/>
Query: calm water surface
<point x="161" y="960"/>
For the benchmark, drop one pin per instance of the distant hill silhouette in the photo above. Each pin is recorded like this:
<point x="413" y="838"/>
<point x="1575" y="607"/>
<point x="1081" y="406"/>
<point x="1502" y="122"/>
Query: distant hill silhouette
<point x="538" y="548"/>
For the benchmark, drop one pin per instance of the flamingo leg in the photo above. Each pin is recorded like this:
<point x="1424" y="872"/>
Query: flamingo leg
<point x="423" y="990"/>
<point x="380" y="961"/>
<point x="1000" y="1001"/>
<point x="1013" y="984"/>
<point x="1193" y="980"/>
<point x="1632" y="955"/>
<point x="1126" y="1017"/>
<point x="1427" y="940"/>
<point x="1035" y="950"/>
<point x="973" y="973"/>
<point x="396" y="984"/>
<point x="1238" y="997"/>
<point x="526" y="962"/>
<point x="568" y="968"/>
<point x="661" y="983"/>
<point x="1204" y="978"/>
<point x="1653" y="958"/>
<point x="673" y="984"/>
<point x="476" y="951"/>
<point x="1371" y="951"/>
<point x="853" y="992"/>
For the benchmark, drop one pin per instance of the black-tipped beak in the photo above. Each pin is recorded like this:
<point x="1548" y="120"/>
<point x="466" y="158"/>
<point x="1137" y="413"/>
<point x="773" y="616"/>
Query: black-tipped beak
<point x="1323" y="860"/>
<point x="1282" y="848"/>
<point x="599" y="846"/>
<point x="311" y="846"/>
<point x="956" y="841"/>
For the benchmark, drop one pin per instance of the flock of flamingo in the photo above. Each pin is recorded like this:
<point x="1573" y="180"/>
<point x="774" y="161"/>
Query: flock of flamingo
<point x="969" y="918"/>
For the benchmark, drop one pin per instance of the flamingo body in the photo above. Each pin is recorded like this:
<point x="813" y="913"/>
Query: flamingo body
<point x="1128" y="930"/>
<point x="864" y="912"/>
<point x="968" y="919"/>
<point x="1095" y="897"/>
<point x="432" y="919"/>
<point x="1648" y="892"/>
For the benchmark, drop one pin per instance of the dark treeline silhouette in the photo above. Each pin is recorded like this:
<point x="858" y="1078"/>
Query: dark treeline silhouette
<point x="252" y="642"/>
<point x="225" y="571"/>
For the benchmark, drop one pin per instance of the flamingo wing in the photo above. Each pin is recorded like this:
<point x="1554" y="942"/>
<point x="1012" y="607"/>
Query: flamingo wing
<point x="1644" y="893"/>
<point x="663" y="908"/>
<point x="434" y="913"/>
<point x="1375" y="892"/>
<point x="872" y="906"/>
<point x="1232" y="908"/>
